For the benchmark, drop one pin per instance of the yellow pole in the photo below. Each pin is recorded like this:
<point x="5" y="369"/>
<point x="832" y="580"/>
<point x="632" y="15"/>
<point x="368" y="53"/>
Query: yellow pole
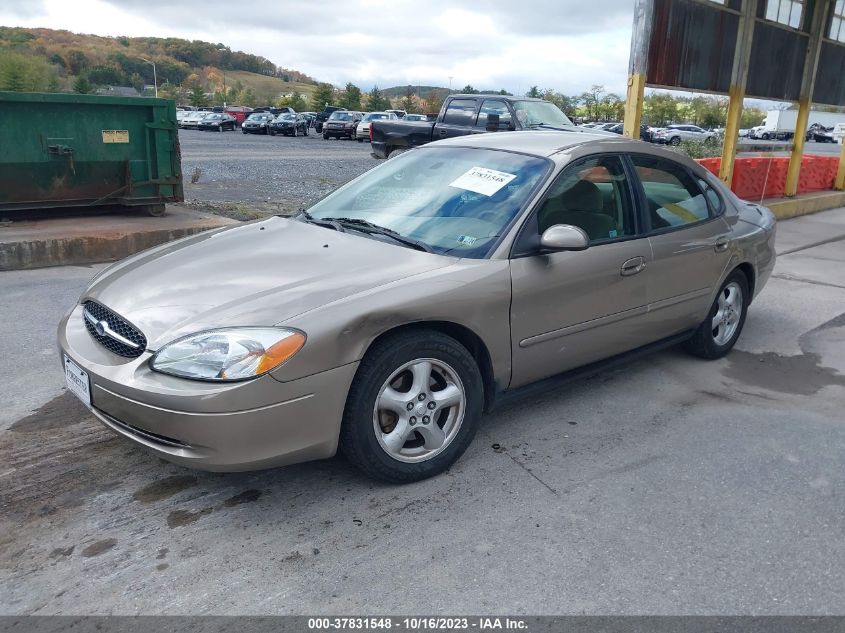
<point x="794" y="170"/>
<point x="634" y="105"/>
<point x="840" y="174"/>
<point x="736" y="93"/>
<point x="726" y="169"/>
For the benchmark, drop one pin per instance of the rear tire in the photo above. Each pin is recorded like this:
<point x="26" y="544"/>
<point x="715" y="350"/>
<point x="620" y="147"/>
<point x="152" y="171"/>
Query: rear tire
<point x="710" y="340"/>
<point x="396" y="152"/>
<point x="675" y="140"/>
<point x="436" y="375"/>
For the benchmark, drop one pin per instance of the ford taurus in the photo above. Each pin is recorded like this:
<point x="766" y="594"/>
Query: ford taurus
<point x="385" y="319"/>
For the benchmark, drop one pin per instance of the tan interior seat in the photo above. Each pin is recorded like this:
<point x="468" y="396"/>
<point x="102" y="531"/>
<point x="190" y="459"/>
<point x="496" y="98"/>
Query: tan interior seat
<point x="581" y="205"/>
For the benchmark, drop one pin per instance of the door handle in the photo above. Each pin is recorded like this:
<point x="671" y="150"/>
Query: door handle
<point x="442" y="132"/>
<point x="633" y="266"/>
<point x="721" y="245"/>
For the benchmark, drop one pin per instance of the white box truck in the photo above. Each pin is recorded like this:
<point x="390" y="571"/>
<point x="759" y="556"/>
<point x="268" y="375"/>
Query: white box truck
<point x="780" y="124"/>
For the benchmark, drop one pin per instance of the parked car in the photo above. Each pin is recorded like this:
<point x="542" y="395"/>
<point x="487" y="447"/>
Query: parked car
<point x="362" y="132"/>
<point x="239" y="112"/>
<point x="619" y="128"/>
<point x="192" y="120"/>
<point x="606" y="125"/>
<point x="387" y="318"/>
<point x="257" y="123"/>
<point x="818" y="133"/>
<point x="289" y="125"/>
<point x="323" y="116"/>
<point x="674" y="134"/>
<point x="182" y="115"/>
<point x="470" y="114"/>
<point x="342" y="124"/>
<point x="415" y="117"/>
<point x="310" y="116"/>
<point x="218" y="121"/>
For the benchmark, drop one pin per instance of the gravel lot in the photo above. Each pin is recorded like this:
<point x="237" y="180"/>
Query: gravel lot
<point x="245" y="174"/>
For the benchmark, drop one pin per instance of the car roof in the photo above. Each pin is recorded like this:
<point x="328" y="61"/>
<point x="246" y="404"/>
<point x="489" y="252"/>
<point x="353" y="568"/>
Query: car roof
<point x="547" y="144"/>
<point x="539" y="143"/>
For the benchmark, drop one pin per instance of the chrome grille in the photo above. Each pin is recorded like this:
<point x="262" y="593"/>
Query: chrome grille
<point x="121" y="337"/>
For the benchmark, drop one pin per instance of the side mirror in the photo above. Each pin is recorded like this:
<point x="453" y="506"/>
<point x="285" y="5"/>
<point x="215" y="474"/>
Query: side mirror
<point x="492" y="122"/>
<point x="564" y="237"/>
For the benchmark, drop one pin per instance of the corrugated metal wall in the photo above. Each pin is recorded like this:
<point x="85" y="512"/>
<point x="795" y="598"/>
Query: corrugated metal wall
<point x="693" y="43"/>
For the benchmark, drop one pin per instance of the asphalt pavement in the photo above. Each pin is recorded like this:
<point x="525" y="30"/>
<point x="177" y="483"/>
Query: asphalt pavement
<point x="671" y="485"/>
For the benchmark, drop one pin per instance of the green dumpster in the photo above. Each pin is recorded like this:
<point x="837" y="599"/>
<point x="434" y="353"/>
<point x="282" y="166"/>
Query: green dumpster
<point x="70" y="150"/>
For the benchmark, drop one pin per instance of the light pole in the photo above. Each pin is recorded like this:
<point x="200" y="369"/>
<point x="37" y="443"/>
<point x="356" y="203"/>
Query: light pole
<point x="155" y="78"/>
<point x="450" y="84"/>
<point x="222" y="70"/>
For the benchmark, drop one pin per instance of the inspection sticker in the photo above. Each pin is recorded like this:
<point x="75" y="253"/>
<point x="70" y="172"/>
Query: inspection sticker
<point x="482" y="180"/>
<point x="115" y="136"/>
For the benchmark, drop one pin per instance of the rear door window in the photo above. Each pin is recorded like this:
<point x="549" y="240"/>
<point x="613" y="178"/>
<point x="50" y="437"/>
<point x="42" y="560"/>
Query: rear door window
<point x="460" y="112"/>
<point x="673" y="197"/>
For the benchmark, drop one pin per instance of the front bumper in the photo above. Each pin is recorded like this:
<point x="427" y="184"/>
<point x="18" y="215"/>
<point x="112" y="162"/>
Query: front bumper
<point x="338" y="131"/>
<point x="249" y="425"/>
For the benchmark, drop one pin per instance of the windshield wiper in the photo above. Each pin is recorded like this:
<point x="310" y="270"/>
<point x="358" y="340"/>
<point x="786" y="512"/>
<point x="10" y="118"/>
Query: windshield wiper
<point x="365" y="226"/>
<point x="329" y="223"/>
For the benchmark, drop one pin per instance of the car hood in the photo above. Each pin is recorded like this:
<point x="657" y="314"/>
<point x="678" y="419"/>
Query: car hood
<point x="256" y="274"/>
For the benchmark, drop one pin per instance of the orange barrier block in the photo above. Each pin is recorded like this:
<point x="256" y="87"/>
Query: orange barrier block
<point x="757" y="177"/>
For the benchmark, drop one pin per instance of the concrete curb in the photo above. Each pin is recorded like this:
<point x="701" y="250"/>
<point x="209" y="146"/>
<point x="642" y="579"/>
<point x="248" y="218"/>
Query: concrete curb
<point x="805" y="204"/>
<point x="91" y="240"/>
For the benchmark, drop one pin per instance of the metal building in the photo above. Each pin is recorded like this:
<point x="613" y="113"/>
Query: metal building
<point x="785" y="50"/>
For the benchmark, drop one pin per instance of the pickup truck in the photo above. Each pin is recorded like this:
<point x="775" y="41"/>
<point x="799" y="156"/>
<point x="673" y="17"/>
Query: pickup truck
<point x="469" y="114"/>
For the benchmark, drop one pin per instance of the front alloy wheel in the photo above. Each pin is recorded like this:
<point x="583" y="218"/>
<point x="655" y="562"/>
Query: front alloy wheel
<point x="419" y="410"/>
<point x="413" y="407"/>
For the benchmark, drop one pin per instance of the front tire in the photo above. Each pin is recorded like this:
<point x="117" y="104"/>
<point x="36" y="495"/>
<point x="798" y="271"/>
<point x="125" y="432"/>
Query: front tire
<point x="413" y="408"/>
<point x="717" y="335"/>
<point x="675" y="140"/>
<point x="325" y="136"/>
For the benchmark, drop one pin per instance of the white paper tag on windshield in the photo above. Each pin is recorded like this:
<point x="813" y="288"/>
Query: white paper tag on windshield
<point x="482" y="180"/>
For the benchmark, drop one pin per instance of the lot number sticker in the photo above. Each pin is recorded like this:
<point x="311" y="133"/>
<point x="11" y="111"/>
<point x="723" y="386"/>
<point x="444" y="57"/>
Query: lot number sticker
<point x="482" y="180"/>
<point x="115" y="136"/>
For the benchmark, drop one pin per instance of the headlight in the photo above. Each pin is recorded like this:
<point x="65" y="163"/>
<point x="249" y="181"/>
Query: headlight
<point x="228" y="354"/>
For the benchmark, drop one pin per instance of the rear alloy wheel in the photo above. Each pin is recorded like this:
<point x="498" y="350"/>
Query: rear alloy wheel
<point x="675" y="140"/>
<point x="720" y="330"/>
<point x="413" y="408"/>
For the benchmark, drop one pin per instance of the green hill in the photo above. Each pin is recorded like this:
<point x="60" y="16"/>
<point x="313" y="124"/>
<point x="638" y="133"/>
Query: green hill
<point x="50" y="60"/>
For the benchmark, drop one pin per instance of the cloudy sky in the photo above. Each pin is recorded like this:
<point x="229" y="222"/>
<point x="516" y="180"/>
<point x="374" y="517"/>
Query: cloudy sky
<point x="563" y="44"/>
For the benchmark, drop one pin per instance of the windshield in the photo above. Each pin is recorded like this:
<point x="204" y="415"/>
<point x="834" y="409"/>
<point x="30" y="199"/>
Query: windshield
<point x="533" y="113"/>
<point x="259" y="117"/>
<point x="285" y="117"/>
<point x="341" y="116"/>
<point x="375" y="116"/>
<point x="214" y="116"/>
<point x="456" y="200"/>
